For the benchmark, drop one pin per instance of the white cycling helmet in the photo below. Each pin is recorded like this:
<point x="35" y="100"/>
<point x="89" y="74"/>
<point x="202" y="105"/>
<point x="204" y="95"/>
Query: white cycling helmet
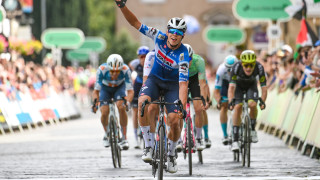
<point x="189" y="49"/>
<point x="177" y="23"/>
<point x="230" y="60"/>
<point x="115" y="62"/>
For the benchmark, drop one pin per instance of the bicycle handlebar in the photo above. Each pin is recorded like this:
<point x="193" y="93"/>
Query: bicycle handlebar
<point x="179" y="103"/>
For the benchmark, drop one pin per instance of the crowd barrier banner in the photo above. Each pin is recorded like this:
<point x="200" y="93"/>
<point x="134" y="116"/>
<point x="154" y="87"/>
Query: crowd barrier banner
<point x="292" y="114"/>
<point x="33" y="106"/>
<point x="263" y="115"/>
<point x="313" y="136"/>
<point x="280" y="108"/>
<point x="306" y="114"/>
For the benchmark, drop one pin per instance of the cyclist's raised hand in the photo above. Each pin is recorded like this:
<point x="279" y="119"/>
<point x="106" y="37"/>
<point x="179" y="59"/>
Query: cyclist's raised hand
<point x="121" y="3"/>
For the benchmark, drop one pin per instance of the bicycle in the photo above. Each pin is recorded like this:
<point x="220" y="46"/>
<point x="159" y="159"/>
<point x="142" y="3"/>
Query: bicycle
<point x="245" y="132"/>
<point x="188" y="146"/>
<point x="159" y="157"/>
<point x="113" y="132"/>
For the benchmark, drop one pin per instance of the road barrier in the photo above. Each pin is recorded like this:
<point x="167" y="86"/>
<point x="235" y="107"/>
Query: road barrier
<point x="30" y="108"/>
<point x="295" y="119"/>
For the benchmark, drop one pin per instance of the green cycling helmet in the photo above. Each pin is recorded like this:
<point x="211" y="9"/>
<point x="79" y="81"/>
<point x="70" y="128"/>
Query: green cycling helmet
<point x="248" y="56"/>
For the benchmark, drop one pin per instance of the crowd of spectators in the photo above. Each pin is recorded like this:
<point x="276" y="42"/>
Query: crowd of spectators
<point x="288" y="69"/>
<point x="20" y="75"/>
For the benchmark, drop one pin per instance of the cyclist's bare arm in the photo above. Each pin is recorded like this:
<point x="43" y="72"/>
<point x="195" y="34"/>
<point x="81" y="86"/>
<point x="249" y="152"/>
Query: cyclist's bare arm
<point x="231" y="90"/>
<point x="203" y="90"/>
<point x="130" y="94"/>
<point x="130" y="17"/>
<point x="183" y="92"/>
<point x="264" y="93"/>
<point x="216" y="94"/>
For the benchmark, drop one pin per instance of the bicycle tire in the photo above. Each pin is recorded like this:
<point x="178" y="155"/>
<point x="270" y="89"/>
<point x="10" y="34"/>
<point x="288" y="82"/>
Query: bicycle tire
<point x="200" y="157"/>
<point x="112" y="143"/>
<point x="161" y="153"/>
<point x="118" y="149"/>
<point x="190" y="144"/>
<point x="248" y="144"/>
<point x="243" y="144"/>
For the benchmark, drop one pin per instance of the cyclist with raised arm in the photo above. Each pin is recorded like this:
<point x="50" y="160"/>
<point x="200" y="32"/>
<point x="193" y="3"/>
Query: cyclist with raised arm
<point x="221" y="92"/>
<point x="244" y="79"/>
<point x="169" y="73"/>
<point x="137" y="66"/>
<point x="113" y="79"/>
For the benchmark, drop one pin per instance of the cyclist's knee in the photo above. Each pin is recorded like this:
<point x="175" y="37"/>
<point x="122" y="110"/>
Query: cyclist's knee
<point x="152" y="108"/>
<point x="121" y="106"/>
<point x="238" y="107"/>
<point x="252" y="104"/>
<point x="224" y="107"/>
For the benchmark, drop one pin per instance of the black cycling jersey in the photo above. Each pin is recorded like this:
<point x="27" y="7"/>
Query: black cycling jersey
<point x="239" y="77"/>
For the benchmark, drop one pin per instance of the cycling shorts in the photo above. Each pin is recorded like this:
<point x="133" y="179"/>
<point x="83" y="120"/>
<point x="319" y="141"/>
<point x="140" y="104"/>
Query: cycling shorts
<point x="252" y="93"/>
<point x="194" y="87"/>
<point x="136" y="89"/>
<point x="106" y="93"/>
<point x="152" y="88"/>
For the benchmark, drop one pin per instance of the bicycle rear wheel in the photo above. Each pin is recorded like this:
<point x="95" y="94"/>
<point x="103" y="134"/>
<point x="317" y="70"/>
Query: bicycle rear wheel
<point x="161" y="155"/>
<point x="190" y="144"/>
<point x="113" y="144"/>
<point x="248" y="144"/>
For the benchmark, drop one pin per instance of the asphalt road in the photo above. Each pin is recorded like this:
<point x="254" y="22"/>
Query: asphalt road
<point x="73" y="150"/>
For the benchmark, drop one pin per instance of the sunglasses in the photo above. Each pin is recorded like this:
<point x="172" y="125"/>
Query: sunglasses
<point x="176" y="31"/>
<point x="246" y="65"/>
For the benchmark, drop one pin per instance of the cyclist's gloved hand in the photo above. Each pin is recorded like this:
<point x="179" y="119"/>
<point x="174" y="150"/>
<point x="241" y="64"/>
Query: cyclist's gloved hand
<point x="128" y="106"/>
<point x="231" y="105"/>
<point x="183" y="114"/>
<point x="121" y="3"/>
<point x="262" y="104"/>
<point x="94" y="106"/>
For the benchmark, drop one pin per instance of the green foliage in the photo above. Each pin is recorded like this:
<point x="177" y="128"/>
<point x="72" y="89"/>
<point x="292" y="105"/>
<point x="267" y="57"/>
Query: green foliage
<point x="122" y="44"/>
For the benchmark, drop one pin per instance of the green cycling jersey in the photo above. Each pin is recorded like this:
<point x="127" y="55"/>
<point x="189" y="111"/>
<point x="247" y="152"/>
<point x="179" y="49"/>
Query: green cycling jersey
<point x="197" y="67"/>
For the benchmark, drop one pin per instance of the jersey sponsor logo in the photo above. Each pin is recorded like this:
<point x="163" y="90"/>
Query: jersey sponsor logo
<point x="162" y="37"/>
<point x="234" y="77"/>
<point x="165" y="46"/>
<point x="262" y="79"/>
<point x="183" y="68"/>
<point x="164" y="59"/>
<point x="144" y="88"/>
<point x="153" y="31"/>
<point x="181" y="58"/>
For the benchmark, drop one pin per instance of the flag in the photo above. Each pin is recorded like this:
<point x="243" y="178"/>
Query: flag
<point x="306" y="36"/>
<point x="297" y="10"/>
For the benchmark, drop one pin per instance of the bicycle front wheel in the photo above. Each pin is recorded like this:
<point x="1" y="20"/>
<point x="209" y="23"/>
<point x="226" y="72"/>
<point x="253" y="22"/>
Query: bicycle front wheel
<point x="248" y="144"/>
<point x="243" y="143"/>
<point x="113" y="143"/>
<point x="118" y="149"/>
<point x="161" y="155"/>
<point x="190" y="144"/>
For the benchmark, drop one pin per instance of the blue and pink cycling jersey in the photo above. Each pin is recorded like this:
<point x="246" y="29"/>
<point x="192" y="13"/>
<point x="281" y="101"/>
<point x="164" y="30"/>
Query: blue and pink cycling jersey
<point x="169" y="65"/>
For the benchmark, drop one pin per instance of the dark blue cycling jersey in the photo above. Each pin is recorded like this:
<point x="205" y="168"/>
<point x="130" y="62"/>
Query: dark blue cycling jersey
<point x="169" y="65"/>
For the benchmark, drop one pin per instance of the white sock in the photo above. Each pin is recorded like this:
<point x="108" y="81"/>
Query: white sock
<point x="146" y="135"/>
<point x="152" y="139"/>
<point x="199" y="130"/>
<point x="135" y="130"/>
<point x="172" y="147"/>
